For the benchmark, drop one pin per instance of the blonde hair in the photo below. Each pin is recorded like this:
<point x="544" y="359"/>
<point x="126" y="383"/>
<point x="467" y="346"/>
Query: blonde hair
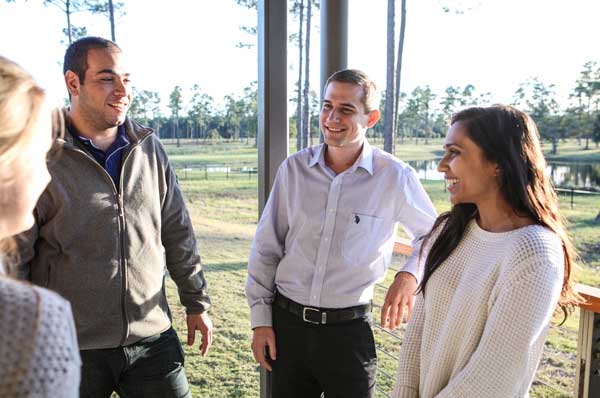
<point x="21" y="101"/>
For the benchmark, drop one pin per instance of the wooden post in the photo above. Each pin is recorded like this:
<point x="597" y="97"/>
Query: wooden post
<point x="587" y="381"/>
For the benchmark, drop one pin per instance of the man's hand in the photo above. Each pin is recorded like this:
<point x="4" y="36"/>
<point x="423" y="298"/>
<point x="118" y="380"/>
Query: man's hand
<point x="400" y="294"/>
<point x="202" y="323"/>
<point x="264" y="336"/>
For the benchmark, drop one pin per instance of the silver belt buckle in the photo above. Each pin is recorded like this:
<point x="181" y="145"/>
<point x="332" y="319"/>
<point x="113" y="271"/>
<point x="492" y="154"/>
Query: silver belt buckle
<point x="323" y="316"/>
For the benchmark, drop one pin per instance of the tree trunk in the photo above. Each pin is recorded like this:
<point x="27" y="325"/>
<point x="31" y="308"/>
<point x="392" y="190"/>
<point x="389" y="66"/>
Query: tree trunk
<point x="388" y="122"/>
<point x="299" y="104"/>
<point x="68" y="12"/>
<point x="306" y="105"/>
<point x="111" y="16"/>
<point x="399" y="69"/>
<point x="177" y="130"/>
<point x="426" y="122"/>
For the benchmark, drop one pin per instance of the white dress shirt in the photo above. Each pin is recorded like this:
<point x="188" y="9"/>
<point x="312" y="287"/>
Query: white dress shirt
<point x="324" y="240"/>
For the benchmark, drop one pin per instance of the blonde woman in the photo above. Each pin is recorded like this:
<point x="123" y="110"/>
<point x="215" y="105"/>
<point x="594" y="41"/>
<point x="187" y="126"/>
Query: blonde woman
<point x="38" y="347"/>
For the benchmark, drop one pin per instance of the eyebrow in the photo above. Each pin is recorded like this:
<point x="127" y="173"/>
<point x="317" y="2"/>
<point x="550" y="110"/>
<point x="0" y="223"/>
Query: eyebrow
<point x="346" y="104"/>
<point x="112" y="72"/>
<point x="452" y="144"/>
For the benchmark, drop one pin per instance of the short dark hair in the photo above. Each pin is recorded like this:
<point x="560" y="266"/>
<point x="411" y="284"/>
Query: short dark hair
<point x="359" y="78"/>
<point x="76" y="55"/>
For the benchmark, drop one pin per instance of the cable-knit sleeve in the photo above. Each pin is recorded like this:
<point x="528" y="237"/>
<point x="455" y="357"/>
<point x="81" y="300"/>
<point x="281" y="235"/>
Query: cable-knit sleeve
<point x="56" y="365"/>
<point x="39" y="356"/>
<point x="409" y="362"/>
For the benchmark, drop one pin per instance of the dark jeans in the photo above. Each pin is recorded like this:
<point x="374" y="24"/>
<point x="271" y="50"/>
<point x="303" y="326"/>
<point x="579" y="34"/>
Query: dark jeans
<point x="150" y="368"/>
<point x="339" y="360"/>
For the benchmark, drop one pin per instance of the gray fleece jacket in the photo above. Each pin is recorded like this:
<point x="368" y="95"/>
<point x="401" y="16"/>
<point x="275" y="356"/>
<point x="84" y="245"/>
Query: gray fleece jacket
<point x="104" y="248"/>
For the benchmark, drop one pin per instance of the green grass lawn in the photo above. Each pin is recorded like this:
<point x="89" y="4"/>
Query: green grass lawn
<point x="571" y="151"/>
<point x="224" y="213"/>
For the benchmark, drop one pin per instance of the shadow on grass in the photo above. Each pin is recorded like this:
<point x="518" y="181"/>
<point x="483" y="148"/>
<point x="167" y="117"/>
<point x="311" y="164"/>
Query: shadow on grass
<point x="585" y="223"/>
<point x="223" y="267"/>
<point x="590" y="252"/>
<point x="198" y="382"/>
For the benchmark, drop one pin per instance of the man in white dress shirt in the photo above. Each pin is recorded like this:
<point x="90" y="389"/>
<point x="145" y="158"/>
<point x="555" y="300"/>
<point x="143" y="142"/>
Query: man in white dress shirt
<point x="325" y="238"/>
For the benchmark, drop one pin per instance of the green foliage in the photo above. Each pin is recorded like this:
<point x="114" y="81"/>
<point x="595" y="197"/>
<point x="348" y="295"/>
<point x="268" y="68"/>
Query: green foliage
<point x="214" y="134"/>
<point x="70" y="7"/>
<point x="175" y="101"/>
<point x="144" y="106"/>
<point x="596" y="130"/>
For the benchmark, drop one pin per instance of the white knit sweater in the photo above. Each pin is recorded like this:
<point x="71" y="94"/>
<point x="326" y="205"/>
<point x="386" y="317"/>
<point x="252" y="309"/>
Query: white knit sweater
<point x="39" y="356"/>
<point x="479" y="331"/>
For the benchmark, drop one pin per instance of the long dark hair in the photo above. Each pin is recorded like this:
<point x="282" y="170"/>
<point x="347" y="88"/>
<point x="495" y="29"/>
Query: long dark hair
<point x="510" y="139"/>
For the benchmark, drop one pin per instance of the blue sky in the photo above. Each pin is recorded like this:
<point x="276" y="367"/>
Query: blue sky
<point x="493" y="44"/>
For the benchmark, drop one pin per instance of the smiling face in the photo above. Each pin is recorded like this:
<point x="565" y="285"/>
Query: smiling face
<point x="343" y="119"/>
<point x="470" y="177"/>
<point x="102" y="101"/>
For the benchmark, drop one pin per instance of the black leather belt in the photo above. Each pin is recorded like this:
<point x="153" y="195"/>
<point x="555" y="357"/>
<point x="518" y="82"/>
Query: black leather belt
<point x="322" y="316"/>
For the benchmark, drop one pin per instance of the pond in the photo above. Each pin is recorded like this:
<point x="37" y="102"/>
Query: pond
<point x="563" y="174"/>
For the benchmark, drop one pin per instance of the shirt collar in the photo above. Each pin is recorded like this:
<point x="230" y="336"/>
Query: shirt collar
<point x="318" y="154"/>
<point x="365" y="159"/>
<point x="120" y="141"/>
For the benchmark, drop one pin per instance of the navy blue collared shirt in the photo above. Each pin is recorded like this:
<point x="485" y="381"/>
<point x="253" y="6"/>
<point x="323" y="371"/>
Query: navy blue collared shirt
<point x="111" y="159"/>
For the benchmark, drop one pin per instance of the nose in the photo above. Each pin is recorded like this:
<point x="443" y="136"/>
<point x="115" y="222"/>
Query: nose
<point x="120" y="88"/>
<point x="442" y="165"/>
<point x="333" y="115"/>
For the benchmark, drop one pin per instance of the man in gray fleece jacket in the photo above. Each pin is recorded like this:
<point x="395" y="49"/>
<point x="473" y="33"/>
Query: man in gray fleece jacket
<point x="109" y="222"/>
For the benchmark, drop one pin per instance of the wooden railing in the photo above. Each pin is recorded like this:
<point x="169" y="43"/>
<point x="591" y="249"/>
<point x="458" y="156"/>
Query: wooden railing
<point x="587" y="378"/>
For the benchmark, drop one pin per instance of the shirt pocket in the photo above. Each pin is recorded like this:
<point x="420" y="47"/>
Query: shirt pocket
<point x="361" y="241"/>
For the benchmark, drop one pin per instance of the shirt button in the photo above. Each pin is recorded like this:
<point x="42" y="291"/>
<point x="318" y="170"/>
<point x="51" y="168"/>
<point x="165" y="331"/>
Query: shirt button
<point x="326" y="239"/>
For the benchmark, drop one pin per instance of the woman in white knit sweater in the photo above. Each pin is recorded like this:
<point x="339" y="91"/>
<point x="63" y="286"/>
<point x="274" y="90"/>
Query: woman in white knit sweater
<point x="38" y="346"/>
<point x="495" y="265"/>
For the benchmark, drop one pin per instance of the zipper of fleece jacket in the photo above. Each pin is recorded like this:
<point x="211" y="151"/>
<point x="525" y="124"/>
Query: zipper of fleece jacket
<point x="121" y="217"/>
<point x="122" y="233"/>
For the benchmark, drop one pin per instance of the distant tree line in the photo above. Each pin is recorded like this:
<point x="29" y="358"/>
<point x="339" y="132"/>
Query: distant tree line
<point x="423" y="114"/>
<point x="197" y="117"/>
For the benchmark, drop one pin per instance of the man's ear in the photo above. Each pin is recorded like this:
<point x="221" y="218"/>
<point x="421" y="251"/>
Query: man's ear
<point x="72" y="82"/>
<point x="374" y="116"/>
